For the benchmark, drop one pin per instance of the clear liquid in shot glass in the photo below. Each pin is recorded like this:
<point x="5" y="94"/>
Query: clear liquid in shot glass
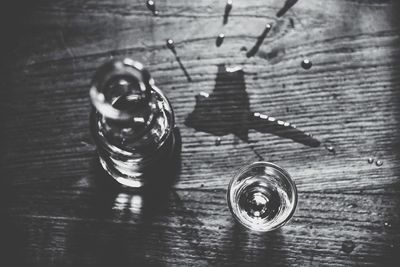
<point x="262" y="196"/>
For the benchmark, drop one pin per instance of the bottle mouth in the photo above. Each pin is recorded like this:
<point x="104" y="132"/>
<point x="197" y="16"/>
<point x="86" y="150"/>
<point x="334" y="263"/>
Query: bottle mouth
<point x="120" y="78"/>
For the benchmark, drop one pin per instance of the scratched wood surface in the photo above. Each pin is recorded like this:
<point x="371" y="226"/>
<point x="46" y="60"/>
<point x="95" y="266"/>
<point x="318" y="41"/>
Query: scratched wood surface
<point x="57" y="207"/>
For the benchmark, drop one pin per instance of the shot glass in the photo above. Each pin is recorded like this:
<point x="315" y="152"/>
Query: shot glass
<point x="262" y="196"/>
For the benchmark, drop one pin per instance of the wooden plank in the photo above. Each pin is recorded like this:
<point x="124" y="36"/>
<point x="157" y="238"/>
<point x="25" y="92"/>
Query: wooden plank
<point x="195" y="227"/>
<point x="58" y="214"/>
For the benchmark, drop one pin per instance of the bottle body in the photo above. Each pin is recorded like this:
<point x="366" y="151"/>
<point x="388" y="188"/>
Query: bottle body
<point x="138" y="141"/>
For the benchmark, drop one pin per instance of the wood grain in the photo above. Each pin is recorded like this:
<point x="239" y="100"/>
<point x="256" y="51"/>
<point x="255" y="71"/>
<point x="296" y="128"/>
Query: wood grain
<point x="56" y="212"/>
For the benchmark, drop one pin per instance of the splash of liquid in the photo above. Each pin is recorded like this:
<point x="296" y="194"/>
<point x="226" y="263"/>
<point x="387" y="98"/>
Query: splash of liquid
<point x="306" y="64"/>
<point x="171" y="45"/>
<point x="264" y="124"/>
<point x="152" y="7"/>
<point x="288" y="5"/>
<point x="220" y="40"/>
<point x="227" y="110"/>
<point x="259" y="42"/>
<point x="348" y="246"/>
<point x="218" y="141"/>
<point x="330" y="146"/>
<point x="331" y="149"/>
<point x="387" y="225"/>
<point x="228" y="8"/>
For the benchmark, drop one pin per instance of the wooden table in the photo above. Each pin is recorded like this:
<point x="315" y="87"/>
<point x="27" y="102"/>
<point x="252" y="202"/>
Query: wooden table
<point x="55" y="206"/>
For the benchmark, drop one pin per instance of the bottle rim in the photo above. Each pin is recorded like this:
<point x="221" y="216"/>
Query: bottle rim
<point x="109" y="70"/>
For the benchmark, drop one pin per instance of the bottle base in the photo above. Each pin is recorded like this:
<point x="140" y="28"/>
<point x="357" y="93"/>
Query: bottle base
<point x="130" y="181"/>
<point x="133" y="178"/>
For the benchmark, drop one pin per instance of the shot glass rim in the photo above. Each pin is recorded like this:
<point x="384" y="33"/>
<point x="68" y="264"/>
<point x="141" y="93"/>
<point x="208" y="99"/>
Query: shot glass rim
<point x="284" y="173"/>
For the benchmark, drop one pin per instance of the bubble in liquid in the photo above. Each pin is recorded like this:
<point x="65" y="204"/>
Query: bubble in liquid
<point x="348" y="246"/>
<point x="379" y="163"/>
<point x="370" y="160"/>
<point x="306" y="64"/>
<point x="220" y="40"/>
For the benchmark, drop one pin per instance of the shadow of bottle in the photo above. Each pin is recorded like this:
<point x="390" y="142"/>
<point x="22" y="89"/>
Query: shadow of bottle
<point x="124" y="217"/>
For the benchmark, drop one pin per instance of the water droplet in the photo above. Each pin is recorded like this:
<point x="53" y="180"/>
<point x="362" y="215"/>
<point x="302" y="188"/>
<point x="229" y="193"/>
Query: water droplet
<point x="152" y="7"/>
<point x="288" y="4"/>
<point x="387" y="225"/>
<point x="306" y="64"/>
<point x="379" y="163"/>
<point x="348" y="246"/>
<point x="370" y="160"/>
<point x="253" y="51"/>
<point x="352" y="205"/>
<point x="171" y="45"/>
<point x="233" y="69"/>
<point x="218" y="141"/>
<point x="220" y="40"/>
<point x="291" y="22"/>
<point x="228" y="8"/>
<point x="330" y="149"/>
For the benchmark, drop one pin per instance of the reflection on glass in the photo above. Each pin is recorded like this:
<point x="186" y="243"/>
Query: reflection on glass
<point x="133" y="203"/>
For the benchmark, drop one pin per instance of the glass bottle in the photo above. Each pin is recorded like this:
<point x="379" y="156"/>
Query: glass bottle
<point x="132" y="121"/>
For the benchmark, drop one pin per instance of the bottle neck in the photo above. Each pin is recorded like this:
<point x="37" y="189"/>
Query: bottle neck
<point x="121" y="93"/>
<point x="121" y="90"/>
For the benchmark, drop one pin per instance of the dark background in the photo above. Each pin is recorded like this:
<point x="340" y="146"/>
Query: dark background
<point x="58" y="207"/>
